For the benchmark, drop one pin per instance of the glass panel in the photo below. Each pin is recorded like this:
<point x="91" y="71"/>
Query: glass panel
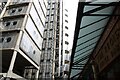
<point x="83" y="62"/>
<point x="89" y="37"/>
<point x="87" y="44"/>
<point x="82" y="55"/>
<point x="107" y="10"/>
<point x="93" y="27"/>
<point x="90" y="19"/>
<point x="105" y="1"/>
<point x="74" y="72"/>
<point x="88" y="8"/>
<point x="83" y="50"/>
<point x="37" y="20"/>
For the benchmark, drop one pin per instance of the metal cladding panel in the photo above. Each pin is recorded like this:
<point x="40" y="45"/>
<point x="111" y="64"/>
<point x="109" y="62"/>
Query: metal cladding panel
<point x="43" y="6"/>
<point x="36" y="20"/>
<point x="8" y="39"/>
<point x="39" y="10"/>
<point x="45" y="2"/>
<point x="14" y="23"/>
<point x="11" y="11"/>
<point x="32" y="31"/>
<point x="30" y="49"/>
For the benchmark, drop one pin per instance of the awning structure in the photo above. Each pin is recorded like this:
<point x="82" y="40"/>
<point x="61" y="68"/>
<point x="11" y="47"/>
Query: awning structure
<point x="92" y="19"/>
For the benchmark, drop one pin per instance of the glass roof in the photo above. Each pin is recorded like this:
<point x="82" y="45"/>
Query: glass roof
<point x="94" y="19"/>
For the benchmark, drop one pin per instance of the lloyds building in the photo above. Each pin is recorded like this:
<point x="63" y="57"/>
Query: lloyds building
<point x="55" y="54"/>
<point x="34" y="39"/>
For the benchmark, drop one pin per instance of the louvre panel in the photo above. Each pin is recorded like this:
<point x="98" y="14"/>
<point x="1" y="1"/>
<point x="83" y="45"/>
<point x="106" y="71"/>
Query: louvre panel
<point x="31" y="29"/>
<point x="36" y="20"/>
<point x="30" y="49"/>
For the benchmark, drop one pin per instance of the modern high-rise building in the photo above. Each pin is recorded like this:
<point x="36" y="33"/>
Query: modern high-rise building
<point x="22" y="24"/>
<point x="55" y="53"/>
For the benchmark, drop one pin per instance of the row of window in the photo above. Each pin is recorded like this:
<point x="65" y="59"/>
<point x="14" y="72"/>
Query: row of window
<point x="66" y="42"/>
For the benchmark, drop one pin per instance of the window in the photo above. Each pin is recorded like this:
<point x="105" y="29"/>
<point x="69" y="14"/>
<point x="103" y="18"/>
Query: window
<point x="19" y="9"/>
<point x="7" y="23"/>
<point x="66" y="42"/>
<point x="14" y="23"/>
<point x="66" y="62"/>
<point x="66" y="27"/>
<point x="53" y="6"/>
<point x="1" y="40"/>
<point x="66" y="51"/>
<point x="12" y="11"/>
<point x="66" y="21"/>
<point x="66" y="15"/>
<point x="8" y="39"/>
<point x="66" y="10"/>
<point x="66" y="34"/>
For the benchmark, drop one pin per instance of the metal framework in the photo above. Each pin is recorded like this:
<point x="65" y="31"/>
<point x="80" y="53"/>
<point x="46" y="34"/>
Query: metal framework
<point x="98" y="7"/>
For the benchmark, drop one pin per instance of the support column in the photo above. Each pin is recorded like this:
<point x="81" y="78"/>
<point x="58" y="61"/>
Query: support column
<point x="12" y="64"/>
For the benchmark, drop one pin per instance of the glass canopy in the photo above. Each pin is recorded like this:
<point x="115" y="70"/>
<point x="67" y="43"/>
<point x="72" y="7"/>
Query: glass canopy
<point x="92" y="18"/>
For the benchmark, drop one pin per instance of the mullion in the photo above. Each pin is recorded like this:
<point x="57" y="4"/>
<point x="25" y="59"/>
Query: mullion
<point x="89" y="40"/>
<point x="78" y="65"/>
<point x="84" y="52"/>
<point x="75" y="75"/>
<point x="91" y="32"/>
<point x="109" y="4"/>
<point x="82" y="62"/>
<point x="78" y="68"/>
<point x="80" y="58"/>
<point x="101" y="14"/>
<point x="84" y="58"/>
<point x="97" y="9"/>
<point x="94" y="22"/>
<point x="87" y="46"/>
